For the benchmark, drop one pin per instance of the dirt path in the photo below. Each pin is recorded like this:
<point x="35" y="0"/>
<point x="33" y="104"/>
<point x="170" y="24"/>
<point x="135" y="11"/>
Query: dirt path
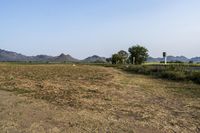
<point x="127" y="103"/>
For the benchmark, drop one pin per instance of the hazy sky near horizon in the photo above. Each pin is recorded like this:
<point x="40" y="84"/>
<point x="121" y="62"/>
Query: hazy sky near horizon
<point x="87" y="27"/>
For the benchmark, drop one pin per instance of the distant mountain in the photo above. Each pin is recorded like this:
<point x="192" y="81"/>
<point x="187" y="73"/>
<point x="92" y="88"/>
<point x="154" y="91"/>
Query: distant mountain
<point x="178" y="58"/>
<point x="169" y="58"/>
<point x="63" y="57"/>
<point x="151" y="59"/>
<point x="95" y="58"/>
<point x="42" y="58"/>
<point x="13" y="56"/>
<point x="195" y="59"/>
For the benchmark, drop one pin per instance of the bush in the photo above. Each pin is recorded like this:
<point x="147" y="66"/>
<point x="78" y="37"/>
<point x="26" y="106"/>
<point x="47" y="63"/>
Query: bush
<point x="171" y="72"/>
<point x="136" y="69"/>
<point x="194" y="76"/>
<point x="173" y="75"/>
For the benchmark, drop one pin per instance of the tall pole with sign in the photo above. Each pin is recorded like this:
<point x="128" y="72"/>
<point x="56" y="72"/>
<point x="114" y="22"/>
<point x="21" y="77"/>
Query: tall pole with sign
<point x="165" y="57"/>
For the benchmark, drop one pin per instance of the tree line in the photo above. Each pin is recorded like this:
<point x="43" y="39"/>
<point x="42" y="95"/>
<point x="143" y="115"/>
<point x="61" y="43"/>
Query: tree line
<point x="136" y="55"/>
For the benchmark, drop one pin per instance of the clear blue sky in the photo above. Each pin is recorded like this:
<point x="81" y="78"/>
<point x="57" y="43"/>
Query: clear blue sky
<point x="87" y="27"/>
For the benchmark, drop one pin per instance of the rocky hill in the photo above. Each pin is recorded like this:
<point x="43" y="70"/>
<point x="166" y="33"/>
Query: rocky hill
<point x="172" y="58"/>
<point x="13" y="56"/>
<point x="95" y="58"/>
<point x="65" y="58"/>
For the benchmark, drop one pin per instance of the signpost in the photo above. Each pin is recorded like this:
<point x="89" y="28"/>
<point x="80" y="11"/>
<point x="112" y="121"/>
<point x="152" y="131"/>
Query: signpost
<point x="165" y="56"/>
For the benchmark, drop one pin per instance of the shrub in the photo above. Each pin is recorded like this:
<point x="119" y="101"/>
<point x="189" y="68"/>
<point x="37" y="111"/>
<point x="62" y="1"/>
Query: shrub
<point x="172" y="72"/>
<point x="172" y="75"/>
<point x="194" y="76"/>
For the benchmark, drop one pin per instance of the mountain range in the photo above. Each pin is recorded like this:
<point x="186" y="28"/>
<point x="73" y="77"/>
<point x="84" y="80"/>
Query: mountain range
<point x="174" y="58"/>
<point x="13" y="56"/>
<point x="95" y="58"/>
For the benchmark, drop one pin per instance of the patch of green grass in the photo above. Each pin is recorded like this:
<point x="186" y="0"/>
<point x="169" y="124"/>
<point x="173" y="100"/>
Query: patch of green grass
<point x="192" y="90"/>
<point x="22" y="91"/>
<point x="17" y="90"/>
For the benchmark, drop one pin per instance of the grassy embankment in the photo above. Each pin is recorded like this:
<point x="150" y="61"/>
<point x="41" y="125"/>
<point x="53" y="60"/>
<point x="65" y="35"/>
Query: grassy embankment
<point x="178" y="72"/>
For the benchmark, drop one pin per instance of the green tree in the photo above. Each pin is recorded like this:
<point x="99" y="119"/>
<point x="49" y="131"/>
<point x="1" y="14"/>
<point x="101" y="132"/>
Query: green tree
<point x="124" y="55"/>
<point x="116" y="59"/>
<point x="138" y="54"/>
<point x="109" y="60"/>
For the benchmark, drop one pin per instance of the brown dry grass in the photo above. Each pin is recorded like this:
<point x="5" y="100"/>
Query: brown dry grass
<point x="99" y="99"/>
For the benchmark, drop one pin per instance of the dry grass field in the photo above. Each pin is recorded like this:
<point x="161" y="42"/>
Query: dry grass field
<point x="82" y="98"/>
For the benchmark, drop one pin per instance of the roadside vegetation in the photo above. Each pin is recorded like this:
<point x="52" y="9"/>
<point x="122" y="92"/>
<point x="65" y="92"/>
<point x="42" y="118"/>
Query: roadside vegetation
<point x="135" y="62"/>
<point x="176" y="72"/>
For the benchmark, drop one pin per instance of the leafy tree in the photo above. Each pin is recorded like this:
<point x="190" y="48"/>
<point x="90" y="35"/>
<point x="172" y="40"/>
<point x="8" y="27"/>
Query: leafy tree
<point x="116" y="59"/>
<point x="124" y="55"/>
<point x="109" y="60"/>
<point x="138" y="54"/>
<point x="191" y="62"/>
